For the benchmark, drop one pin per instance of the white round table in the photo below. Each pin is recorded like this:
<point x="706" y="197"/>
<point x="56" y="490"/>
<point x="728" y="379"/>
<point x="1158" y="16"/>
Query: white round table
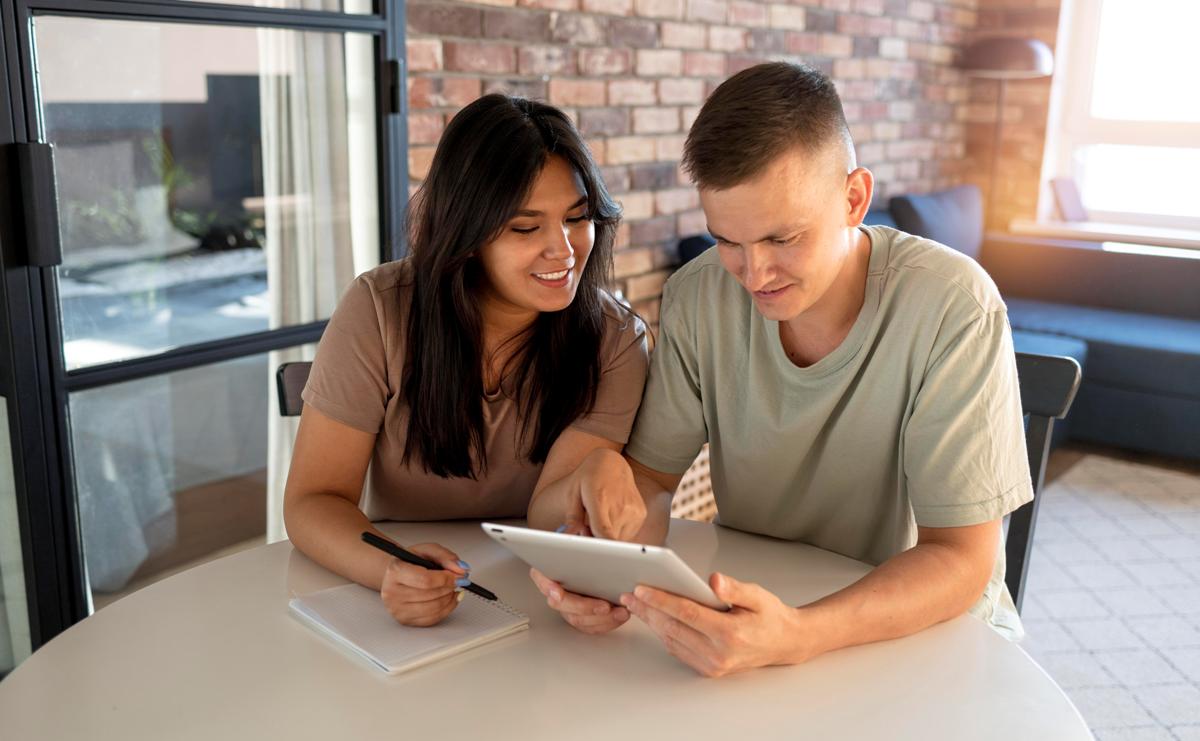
<point x="212" y="653"/>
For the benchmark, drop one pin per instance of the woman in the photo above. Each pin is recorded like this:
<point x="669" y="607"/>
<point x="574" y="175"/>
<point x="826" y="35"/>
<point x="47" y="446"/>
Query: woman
<point x="488" y="375"/>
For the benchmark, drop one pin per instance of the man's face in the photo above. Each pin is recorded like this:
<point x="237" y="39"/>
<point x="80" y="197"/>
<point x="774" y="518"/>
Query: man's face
<point x="783" y="234"/>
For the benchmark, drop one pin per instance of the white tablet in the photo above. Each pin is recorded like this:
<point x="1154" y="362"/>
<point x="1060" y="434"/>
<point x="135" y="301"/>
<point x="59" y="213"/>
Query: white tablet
<point x="603" y="568"/>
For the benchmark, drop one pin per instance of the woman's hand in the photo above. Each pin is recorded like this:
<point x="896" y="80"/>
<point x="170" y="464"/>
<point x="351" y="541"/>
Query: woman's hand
<point x="585" y="614"/>
<point x="608" y="501"/>
<point x="417" y="596"/>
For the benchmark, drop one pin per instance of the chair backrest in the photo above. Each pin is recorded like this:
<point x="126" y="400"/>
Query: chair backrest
<point x="1048" y="384"/>
<point x="289" y="382"/>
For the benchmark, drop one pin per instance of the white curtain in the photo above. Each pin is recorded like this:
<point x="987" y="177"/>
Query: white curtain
<point x="14" y="615"/>
<point x="320" y="194"/>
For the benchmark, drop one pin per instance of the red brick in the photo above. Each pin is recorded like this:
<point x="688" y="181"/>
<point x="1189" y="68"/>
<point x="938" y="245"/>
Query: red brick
<point x="577" y="92"/>
<point x="651" y="231"/>
<point x="803" y="43"/>
<point x="703" y="64"/>
<point x="550" y="4"/>
<point x="628" y="149"/>
<point x="893" y="48"/>
<point x="684" y="35"/>
<point x="649" y="120"/>
<point x="516" y="25"/>
<point x="443" y="20"/>
<point x="633" y="32"/>
<point x="676" y="200"/>
<point x="834" y="45"/>
<point x="724" y="38"/>
<point x="691" y="222"/>
<point x="638" y="206"/>
<point x="622" y="240"/>
<point x="709" y="11"/>
<point x="419" y="160"/>
<point x="659" y="62"/>
<point x="659" y="8"/>
<point x="646" y="286"/>
<point x="546" y="60"/>
<point x="604" y="121"/>
<point x="669" y="147"/>
<point x="675" y="90"/>
<point x="424" y="55"/>
<point x="599" y="150"/>
<point x="475" y="57"/>
<point x="628" y="263"/>
<point x="579" y="30"/>
<point x="600" y="62"/>
<point x="442" y="92"/>
<point x="608" y="7"/>
<point x="424" y="128"/>
<point x="688" y="115"/>
<point x="632" y="92"/>
<point x="786" y="16"/>
<point x="751" y="14"/>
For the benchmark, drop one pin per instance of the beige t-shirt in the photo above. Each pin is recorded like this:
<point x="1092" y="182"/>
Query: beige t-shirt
<point x="915" y="419"/>
<point x="356" y="380"/>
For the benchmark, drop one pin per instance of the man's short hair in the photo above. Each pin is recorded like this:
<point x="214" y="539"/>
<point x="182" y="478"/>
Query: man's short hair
<point x="757" y="115"/>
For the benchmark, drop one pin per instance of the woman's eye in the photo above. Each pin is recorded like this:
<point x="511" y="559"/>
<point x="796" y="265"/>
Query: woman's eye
<point x="530" y="230"/>
<point x="577" y="219"/>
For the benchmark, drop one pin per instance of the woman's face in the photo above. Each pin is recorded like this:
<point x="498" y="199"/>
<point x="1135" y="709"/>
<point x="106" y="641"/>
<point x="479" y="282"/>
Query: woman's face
<point x="536" y="263"/>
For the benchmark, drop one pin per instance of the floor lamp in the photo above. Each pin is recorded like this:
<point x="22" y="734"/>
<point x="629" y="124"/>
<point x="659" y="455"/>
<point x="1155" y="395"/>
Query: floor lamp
<point x="1003" y="59"/>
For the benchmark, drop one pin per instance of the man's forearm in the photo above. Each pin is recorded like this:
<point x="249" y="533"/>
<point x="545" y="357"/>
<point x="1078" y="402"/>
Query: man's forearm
<point x="923" y="586"/>
<point x="658" y="513"/>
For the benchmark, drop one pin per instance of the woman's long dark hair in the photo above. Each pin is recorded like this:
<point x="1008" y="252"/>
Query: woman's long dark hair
<point x="485" y="165"/>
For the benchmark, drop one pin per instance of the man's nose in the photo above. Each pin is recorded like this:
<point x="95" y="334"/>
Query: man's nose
<point x="760" y="269"/>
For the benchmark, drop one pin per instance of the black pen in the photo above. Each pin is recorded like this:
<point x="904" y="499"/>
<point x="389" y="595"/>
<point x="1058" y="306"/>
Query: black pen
<point x="392" y="549"/>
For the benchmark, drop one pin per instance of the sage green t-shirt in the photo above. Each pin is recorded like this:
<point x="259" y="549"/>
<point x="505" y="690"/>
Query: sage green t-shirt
<point x="915" y="419"/>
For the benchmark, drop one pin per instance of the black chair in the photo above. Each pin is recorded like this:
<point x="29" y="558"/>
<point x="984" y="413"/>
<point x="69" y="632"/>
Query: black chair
<point x="289" y="382"/>
<point x="1048" y="384"/>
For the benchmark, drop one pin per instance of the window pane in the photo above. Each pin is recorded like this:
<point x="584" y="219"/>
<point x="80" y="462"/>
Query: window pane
<point x="14" y="612"/>
<point x="213" y="181"/>
<point x="332" y="6"/>
<point x="172" y="470"/>
<point x="1146" y="180"/>
<point x="1146" y="61"/>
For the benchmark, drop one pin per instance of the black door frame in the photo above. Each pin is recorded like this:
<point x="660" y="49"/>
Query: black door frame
<point x="33" y="378"/>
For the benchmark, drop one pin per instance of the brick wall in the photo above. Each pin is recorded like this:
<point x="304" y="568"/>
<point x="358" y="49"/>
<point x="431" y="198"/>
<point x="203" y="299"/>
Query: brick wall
<point x="1027" y="103"/>
<point x="633" y="73"/>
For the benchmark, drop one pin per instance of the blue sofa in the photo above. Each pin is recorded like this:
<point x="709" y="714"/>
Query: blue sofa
<point x="1132" y="321"/>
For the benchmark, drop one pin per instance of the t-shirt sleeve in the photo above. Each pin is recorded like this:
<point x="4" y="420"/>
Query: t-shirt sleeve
<point x="348" y="380"/>
<point x="670" y="428"/>
<point x="622" y="379"/>
<point x="964" y="445"/>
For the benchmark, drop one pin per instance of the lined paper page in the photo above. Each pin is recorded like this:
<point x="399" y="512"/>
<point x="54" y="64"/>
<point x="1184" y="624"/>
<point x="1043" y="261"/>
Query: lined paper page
<point x="355" y="617"/>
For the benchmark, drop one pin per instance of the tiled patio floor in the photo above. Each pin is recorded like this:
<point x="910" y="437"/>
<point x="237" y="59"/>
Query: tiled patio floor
<point x="1113" y="603"/>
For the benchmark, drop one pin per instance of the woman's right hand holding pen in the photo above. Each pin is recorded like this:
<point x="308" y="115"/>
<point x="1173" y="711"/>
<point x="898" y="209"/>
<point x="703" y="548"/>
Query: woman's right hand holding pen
<point x="421" y="597"/>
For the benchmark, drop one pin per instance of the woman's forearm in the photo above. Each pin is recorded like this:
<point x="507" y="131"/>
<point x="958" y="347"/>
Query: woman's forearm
<point x="327" y="528"/>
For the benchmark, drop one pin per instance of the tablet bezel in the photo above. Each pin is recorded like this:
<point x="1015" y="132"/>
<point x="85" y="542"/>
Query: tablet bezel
<point x="602" y="568"/>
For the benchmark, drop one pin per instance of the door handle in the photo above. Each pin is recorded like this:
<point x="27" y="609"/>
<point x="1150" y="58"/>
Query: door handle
<point x="39" y="200"/>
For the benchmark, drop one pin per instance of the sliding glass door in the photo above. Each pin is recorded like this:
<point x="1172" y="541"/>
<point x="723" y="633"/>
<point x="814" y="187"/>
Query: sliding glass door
<point x="222" y="172"/>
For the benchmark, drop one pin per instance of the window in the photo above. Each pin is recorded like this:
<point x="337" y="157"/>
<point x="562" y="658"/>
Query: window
<point x="1125" y="119"/>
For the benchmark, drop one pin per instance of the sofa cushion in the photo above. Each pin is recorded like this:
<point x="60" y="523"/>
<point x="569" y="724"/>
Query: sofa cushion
<point x="879" y="217"/>
<point x="1140" y="352"/>
<point x="953" y="217"/>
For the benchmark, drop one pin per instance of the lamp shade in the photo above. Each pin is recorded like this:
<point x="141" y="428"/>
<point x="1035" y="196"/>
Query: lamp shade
<point x="1008" y="58"/>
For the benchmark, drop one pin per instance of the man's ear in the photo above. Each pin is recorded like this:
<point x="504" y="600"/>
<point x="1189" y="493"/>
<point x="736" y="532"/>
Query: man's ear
<point x="860" y="185"/>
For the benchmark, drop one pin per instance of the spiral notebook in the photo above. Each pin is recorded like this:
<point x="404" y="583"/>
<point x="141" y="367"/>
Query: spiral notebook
<point x="355" y="618"/>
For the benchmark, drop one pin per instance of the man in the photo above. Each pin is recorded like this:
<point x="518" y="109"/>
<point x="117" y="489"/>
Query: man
<point x="857" y="386"/>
